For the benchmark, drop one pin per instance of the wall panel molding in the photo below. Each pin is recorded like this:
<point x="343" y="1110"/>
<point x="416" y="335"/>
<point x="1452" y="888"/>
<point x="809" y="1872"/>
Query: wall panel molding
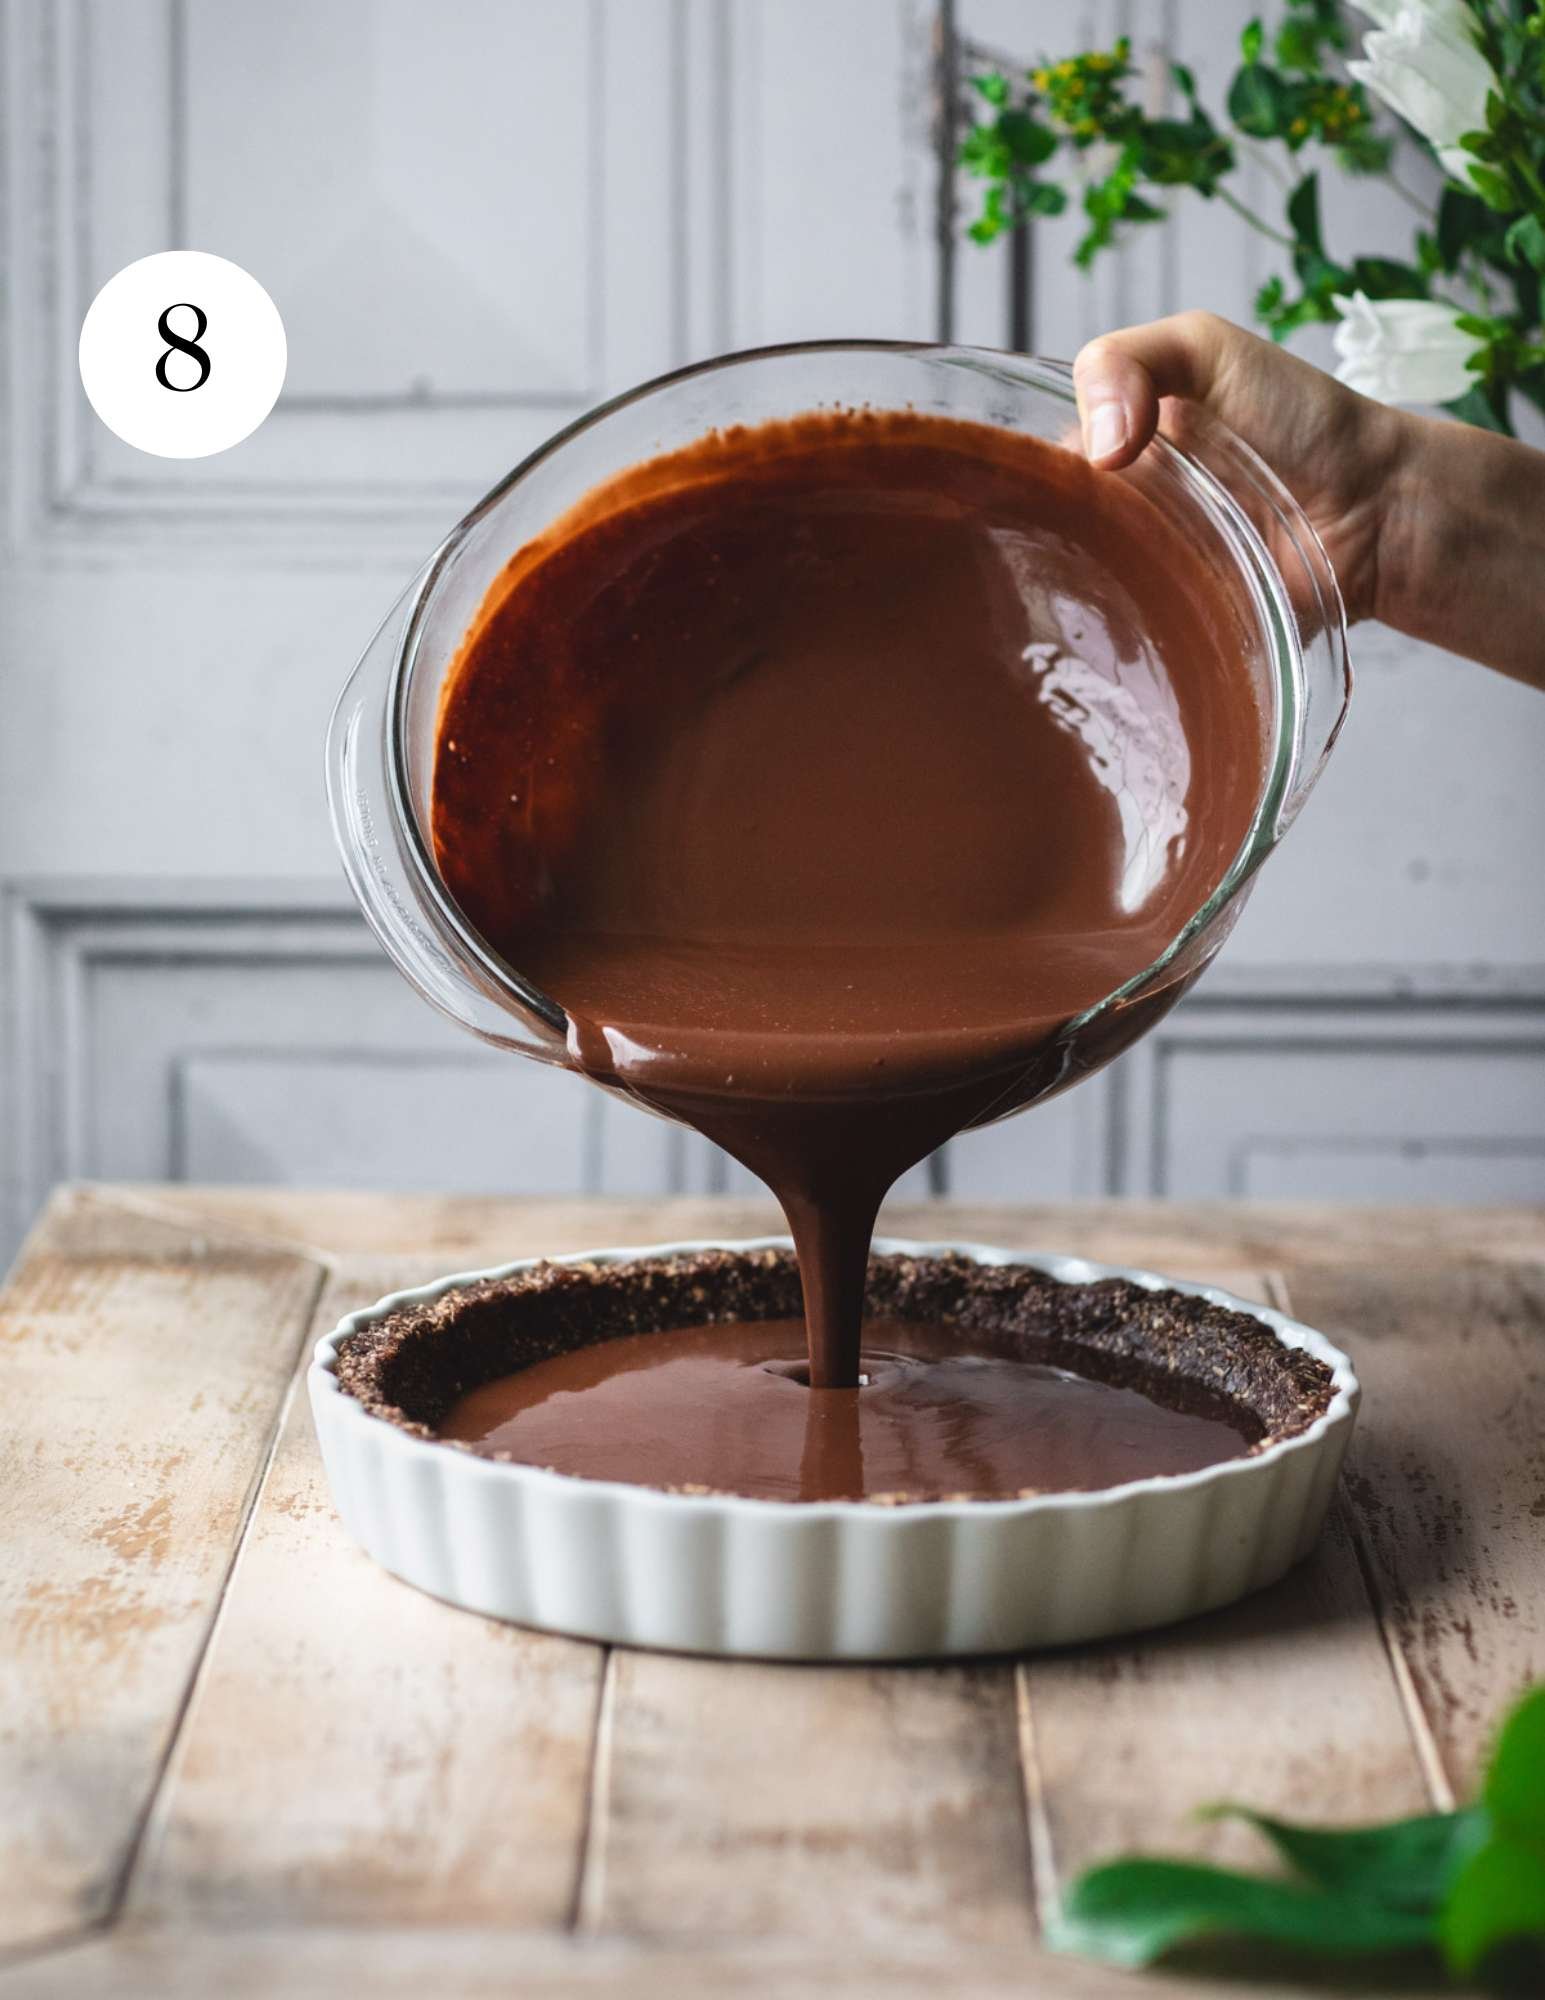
<point x="255" y="1030"/>
<point x="118" y="152"/>
<point x="1348" y="1082"/>
<point x="670" y="229"/>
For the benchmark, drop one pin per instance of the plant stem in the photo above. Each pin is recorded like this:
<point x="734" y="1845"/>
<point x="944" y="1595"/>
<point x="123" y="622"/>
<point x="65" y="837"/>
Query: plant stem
<point x="1263" y="158"/>
<point x="1249" y="215"/>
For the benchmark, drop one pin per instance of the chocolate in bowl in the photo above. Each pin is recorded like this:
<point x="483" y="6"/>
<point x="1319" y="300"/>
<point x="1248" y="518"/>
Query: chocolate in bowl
<point x="1007" y="1382"/>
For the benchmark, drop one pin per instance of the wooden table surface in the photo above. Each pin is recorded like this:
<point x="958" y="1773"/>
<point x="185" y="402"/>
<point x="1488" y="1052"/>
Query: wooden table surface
<point x="236" y="1758"/>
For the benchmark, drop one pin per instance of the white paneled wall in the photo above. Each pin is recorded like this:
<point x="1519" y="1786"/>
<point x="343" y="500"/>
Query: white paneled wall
<point x="477" y="220"/>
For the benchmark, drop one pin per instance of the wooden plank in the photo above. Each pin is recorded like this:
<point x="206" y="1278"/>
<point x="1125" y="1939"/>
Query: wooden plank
<point x="356" y="1751"/>
<point x="1191" y="1237"/>
<point x="451" y="1964"/>
<point x="456" y="1232"/>
<point x="882" y="1804"/>
<point x="1168" y="1236"/>
<point x="144" y="1367"/>
<point x="1285" y="1702"/>
<point x="1446" y="1481"/>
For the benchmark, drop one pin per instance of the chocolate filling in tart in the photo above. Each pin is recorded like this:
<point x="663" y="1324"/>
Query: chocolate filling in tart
<point x="687" y="1372"/>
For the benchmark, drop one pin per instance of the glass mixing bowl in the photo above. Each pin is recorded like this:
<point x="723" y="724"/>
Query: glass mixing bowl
<point x="1250" y="531"/>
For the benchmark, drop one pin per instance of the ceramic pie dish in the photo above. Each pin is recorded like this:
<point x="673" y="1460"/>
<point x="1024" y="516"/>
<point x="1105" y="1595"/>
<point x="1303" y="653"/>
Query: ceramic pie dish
<point x="716" y="1573"/>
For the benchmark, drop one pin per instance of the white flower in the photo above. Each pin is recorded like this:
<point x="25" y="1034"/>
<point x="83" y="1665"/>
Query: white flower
<point x="1426" y="67"/>
<point x="1402" y="350"/>
<point x="1453" y="14"/>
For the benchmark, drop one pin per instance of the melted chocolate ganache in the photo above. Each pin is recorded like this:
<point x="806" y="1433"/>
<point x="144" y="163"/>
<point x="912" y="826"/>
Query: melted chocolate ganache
<point x="826" y="773"/>
<point x="934" y="1419"/>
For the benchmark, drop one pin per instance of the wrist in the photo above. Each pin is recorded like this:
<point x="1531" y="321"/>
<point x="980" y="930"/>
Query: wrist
<point x="1402" y="496"/>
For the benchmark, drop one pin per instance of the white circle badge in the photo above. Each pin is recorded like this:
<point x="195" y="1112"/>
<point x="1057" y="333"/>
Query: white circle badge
<point x="182" y="354"/>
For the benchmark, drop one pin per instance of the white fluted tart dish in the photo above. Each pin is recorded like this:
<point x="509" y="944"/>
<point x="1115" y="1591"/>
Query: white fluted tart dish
<point x="882" y="1578"/>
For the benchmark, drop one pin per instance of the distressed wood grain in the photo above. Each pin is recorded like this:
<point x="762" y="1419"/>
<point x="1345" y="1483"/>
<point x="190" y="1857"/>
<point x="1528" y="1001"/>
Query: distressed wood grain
<point x="356" y="1751"/>
<point x="456" y="1964"/>
<point x="1187" y="1238"/>
<point x="876" y="1803"/>
<point x="1446" y="1480"/>
<point x="1285" y="1701"/>
<point x="144" y="1366"/>
<point x="355" y="1758"/>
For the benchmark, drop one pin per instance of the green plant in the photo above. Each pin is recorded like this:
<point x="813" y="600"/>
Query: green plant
<point x="1469" y="1885"/>
<point x="1452" y="317"/>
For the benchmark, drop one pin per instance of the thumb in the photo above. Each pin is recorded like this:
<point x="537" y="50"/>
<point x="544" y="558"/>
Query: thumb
<point x="1121" y="378"/>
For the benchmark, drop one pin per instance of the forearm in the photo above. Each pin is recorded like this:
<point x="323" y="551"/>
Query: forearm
<point x="1461" y="547"/>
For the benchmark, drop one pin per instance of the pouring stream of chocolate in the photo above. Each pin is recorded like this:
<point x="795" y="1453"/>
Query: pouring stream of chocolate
<point x="828" y="773"/>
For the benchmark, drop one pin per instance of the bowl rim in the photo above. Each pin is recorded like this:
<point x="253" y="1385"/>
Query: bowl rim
<point x="327" y="1392"/>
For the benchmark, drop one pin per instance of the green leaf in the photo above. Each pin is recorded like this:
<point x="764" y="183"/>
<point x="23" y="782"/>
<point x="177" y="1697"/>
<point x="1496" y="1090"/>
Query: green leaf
<point x="1461" y="217"/>
<point x="1320" y="275"/>
<point x="983" y="152"/>
<point x="1495" y="189"/>
<point x="1515" y="1781"/>
<point x="1042" y="198"/>
<point x="1388" y="278"/>
<point x="1407" y="1864"/>
<point x="1498" y="1899"/>
<point x="1475" y="407"/>
<point x="1307" y="311"/>
<point x="1255" y="101"/>
<point x="1027" y="139"/>
<point x="1252" y="41"/>
<point x="1525" y="242"/>
<point x="1464" y="223"/>
<point x="1304" y="212"/>
<point x="1184" y="81"/>
<point x="1138" y="210"/>
<point x="1295" y="47"/>
<point x="1365" y="151"/>
<point x="1179" y="134"/>
<point x="1132" y="1912"/>
<point x="992" y="221"/>
<point x="1269" y="297"/>
<point x="994" y="87"/>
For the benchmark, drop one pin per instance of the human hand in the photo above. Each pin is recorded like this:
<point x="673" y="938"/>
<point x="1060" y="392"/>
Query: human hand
<point x="1337" y="452"/>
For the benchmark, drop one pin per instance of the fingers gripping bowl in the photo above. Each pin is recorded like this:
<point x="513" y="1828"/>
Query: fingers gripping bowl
<point x="716" y="1573"/>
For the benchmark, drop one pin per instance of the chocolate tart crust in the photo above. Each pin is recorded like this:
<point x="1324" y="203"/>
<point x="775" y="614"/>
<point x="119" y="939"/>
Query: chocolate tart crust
<point x="411" y="1366"/>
